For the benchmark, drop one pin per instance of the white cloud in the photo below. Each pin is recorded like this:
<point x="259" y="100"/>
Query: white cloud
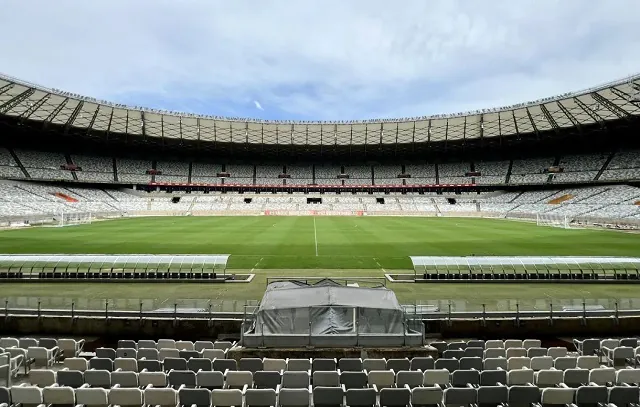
<point x="258" y="105"/>
<point x="320" y="59"/>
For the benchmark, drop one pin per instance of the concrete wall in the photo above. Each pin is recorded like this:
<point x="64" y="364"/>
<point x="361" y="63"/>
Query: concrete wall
<point x="192" y="329"/>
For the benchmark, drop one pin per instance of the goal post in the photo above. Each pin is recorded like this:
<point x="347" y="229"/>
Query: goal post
<point x="558" y="221"/>
<point x="74" y="218"/>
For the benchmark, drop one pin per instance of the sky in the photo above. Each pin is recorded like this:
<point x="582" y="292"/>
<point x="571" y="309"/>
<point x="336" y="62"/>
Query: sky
<point x="320" y="60"/>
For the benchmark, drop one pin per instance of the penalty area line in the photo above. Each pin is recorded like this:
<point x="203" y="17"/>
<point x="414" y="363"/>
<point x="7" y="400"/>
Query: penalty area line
<point x="256" y="265"/>
<point x="379" y="265"/>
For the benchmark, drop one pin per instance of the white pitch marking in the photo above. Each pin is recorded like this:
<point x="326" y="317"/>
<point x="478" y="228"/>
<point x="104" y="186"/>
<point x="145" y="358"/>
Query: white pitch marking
<point x="256" y="265"/>
<point x="379" y="265"/>
<point x="315" y="234"/>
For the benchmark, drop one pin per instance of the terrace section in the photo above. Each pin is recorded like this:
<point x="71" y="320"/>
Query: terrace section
<point x="107" y="268"/>
<point x="532" y="269"/>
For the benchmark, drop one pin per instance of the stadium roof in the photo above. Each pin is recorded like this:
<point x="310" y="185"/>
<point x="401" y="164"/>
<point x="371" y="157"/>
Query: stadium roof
<point x="613" y="101"/>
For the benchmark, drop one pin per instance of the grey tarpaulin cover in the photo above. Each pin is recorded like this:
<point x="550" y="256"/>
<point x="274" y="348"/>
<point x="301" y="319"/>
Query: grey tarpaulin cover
<point x="290" y="307"/>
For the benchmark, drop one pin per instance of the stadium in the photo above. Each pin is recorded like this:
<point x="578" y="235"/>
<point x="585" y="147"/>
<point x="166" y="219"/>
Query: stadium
<point x="152" y="257"/>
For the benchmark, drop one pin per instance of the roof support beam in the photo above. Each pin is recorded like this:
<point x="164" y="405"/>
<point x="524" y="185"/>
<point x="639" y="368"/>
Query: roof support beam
<point x="246" y="132"/>
<point x="515" y="122"/>
<point x="73" y="116"/>
<point x="464" y="129"/>
<point x="144" y="125"/>
<point x="6" y="88"/>
<point x="572" y="118"/>
<point x="594" y="116"/>
<point x="549" y="118"/>
<point x="55" y="112"/>
<point x="15" y="101"/>
<point x="93" y="120"/>
<point x="180" y="126"/>
<point x="482" y="126"/>
<point x="34" y="108"/>
<point x="413" y="134"/>
<point x="110" y="121"/>
<point x="615" y="109"/>
<point x="429" y="132"/>
<point x="198" y="129"/>
<point x="162" y="128"/>
<point x="126" y="124"/>
<point x="533" y="124"/>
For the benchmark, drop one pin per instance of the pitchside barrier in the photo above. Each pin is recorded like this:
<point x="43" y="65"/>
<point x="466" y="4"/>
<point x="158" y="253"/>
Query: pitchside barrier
<point x="532" y="269"/>
<point x="112" y="268"/>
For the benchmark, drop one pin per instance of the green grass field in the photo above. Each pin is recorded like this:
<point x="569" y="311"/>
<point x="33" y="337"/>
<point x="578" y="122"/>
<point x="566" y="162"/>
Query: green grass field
<point x="328" y="246"/>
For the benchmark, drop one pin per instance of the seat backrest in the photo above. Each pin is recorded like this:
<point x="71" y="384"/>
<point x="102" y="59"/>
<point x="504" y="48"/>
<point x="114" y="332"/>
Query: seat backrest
<point x="536" y="352"/>
<point x="70" y="378"/>
<point x="26" y="395"/>
<point x="267" y="379"/>
<point x="453" y="353"/>
<point x="185" y="345"/>
<point x="519" y="377"/>
<point x="202" y="345"/>
<point x="370" y="364"/>
<point x="495" y="363"/>
<point x="323" y="364"/>
<point x="493" y="377"/>
<point x="426" y="396"/>
<point x="293" y="397"/>
<point x="422" y="363"/>
<point x="459" y="396"/>
<point x="210" y="380"/>
<point x="361" y="397"/>
<point x="624" y="396"/>
<point x="224" y="345"/>
<point x="602" y="375"/>
<point x="126" y="353"/>
<point x="126" y="343"/>
<point x="101" y="364"/>
<point x="148" y="354"/>
<point x="213" y="354"/>
<point x="474" y="352"/>
<point x="8" y="342"/>
<point x="493" y="395"/>
<point x="398" y="397"/>
<point x="80" y="364"/>
<point x="449" y="364"/>
<point x="126" y="397"/>
<point x="42" y="377"/>
<point x="166" y="344"/>
<point x="124" y="379"/>
<point x="194" y="397"/>
<point x="556" y="396"/>
<point x="98" y="378"/>
<point x="156" y="379"/>
<point x="398" y="364"/>
<point x="127" y="364"/>
<point x="168" y="353"/>
<point x="25" y="343"/>
<point x="409" y="378"/>
<point x="557" y="352"/>
<point x="354" y="380"/>
<point x="520" y="395"/>
<point x="467" y="363"/>
<point x="548" y="377"/>
<point x="149" y="365"/>
<point x="90" y="396"/>
<point x="197" y="364"/>
<point x="326" y="378"/>
<point x="295" y="380"/>
<point x="178" y="378"/>
<point x="516" y="352"/>
<point x="174" y="364"/>
<point x="239" y="379"/>
<point x="327" y="396"/>
<point x="565" y="362"/>
<point x="250" y="364"/>
<point x="512" y="343"/>
<point x="260" y="398"/>
<point x="147" y="344"/>
<point x="541" y="362"/>
<point x="475" y="343"/>
<point x="298" y="365"/>
<point x="588" y="362"/>
<point x="461" y="378"/>
<point x="436" y="376"/>
<point x="161" y="397"/>
<point x="222" y="365"/>
<point x="382" y="378"/>
<point x="48" y="343"/>
<point x="591" y="395"/>
<point x="226" y="397"/>
<point x="350" y="364"/>
<point x="274" y="365"/>
<point x="456" y="345"/>
<point x="494" y="343"/>
<point x="628" y="376"/>
<point x="495" y="353"/>
<point x="576" y="377"/>
<point x="531" y="343"/>
<point x="518" y="363"/>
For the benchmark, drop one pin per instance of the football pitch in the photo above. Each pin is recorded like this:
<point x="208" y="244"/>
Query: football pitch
<point x="319" y="246"/>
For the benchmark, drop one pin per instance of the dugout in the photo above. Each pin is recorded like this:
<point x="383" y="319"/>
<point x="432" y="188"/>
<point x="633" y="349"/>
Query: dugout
<point x="131" y="267"/>
<point x="328" y="314"/>
<point x="530" y="268"/>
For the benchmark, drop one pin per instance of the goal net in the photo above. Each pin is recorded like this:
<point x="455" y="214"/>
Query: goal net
<point x="558" y="221"/>
<point x="74" y="218"/>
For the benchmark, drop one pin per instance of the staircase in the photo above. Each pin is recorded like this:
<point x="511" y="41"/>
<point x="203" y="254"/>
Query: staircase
<point x="193" y="202"/>
<point x="561" y="199"/>
<point x="436" y="206"/>
<point x="556" y="162"/>
<point x="509" y="172"/>
<point x="65" y="197"/>
<point x="17" y="160"/>
<point x="70" y="162"/>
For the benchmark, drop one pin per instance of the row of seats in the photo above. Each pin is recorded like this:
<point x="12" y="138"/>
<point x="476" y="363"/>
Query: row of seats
<point x="526" y="395"/>
<point x="173" y="344"/>
<point x="375" y="378"/>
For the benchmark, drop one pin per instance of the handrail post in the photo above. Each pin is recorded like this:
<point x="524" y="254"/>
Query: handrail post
<point x="140" y="315"/>
<point x="73" y="305"/>
<point x="484" y="315"/>
<point x="584" y="312"/>
<point x="551" y="313"/>
<point x="449" y="314"/>
<point x="210" y="316"/>
<point x="517" y="322"/>
<point x="39" y="313"/>
<point x="6" y="308"/>
<point x="617" y="315"/>
<point x="106" y="309"/>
